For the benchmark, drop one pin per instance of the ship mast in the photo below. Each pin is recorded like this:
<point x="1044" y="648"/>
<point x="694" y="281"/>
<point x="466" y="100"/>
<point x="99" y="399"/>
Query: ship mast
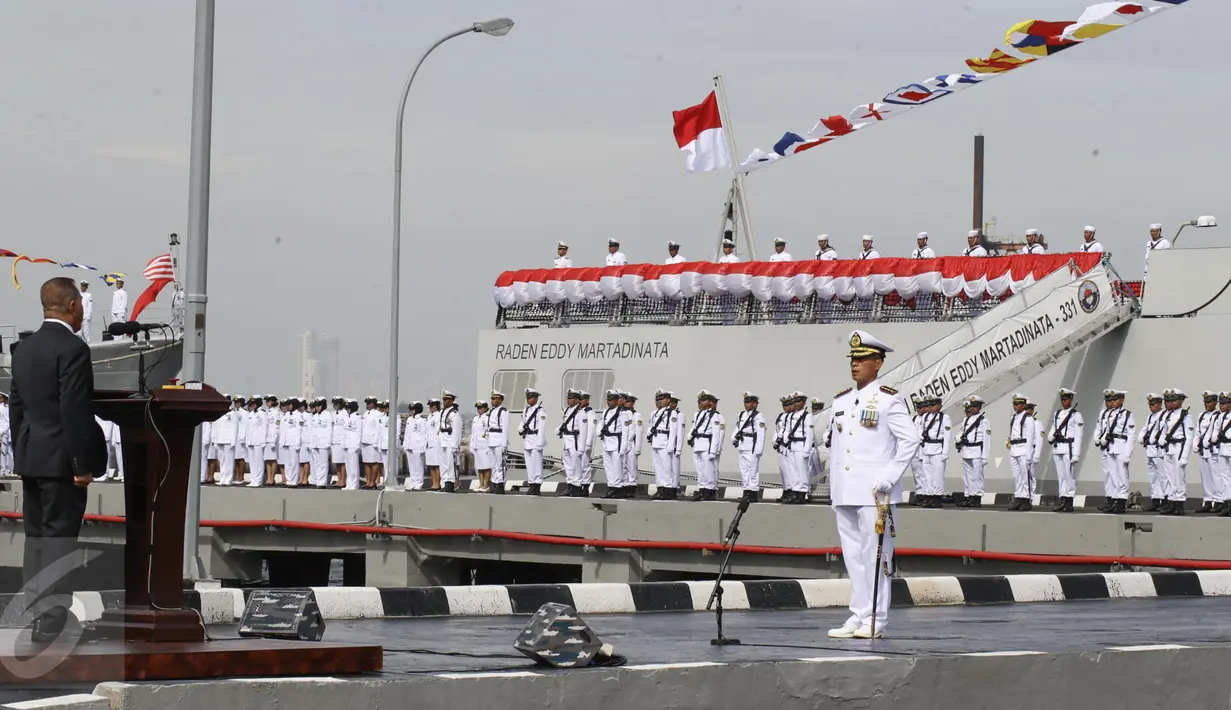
<point x="736" y="203"/>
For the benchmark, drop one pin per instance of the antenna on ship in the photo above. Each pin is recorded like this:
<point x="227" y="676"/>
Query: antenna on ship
<point x="736" y="204"/>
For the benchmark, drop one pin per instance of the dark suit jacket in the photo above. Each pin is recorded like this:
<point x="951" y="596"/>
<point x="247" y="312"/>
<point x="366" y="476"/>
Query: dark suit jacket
<point x="51" y="408"/>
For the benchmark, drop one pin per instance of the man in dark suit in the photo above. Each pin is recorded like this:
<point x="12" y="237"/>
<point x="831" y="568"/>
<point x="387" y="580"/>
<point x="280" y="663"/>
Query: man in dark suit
<point x="58" y="449"/>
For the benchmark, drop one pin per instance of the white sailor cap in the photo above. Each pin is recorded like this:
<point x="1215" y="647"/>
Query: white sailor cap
<point x="4" y="394"/>
<point x="630" y="396"/>
<point x="784" y="398"/>
<point x="728" y="243"/>
<point x="497" y="393"/>
<point x="662" y="394"/>
<point x="867" y="237"/>
<point x="779" y="241"/>
<point x="446" y="394"/>
<point x="561" y="245"/>
<point x="573" y="393"/>
<point x="673" y="245"/>
<point x="1019" y="398"/>
<point x="864" y="344"/>
<point x="1208" y="395"/>
<point x="480" y="403"/>
<point x="433" y="400"/>
<point x="613" y="394"/>
<point x="1224" y="397"/>
<point x="972" y="233"/>
<point x="973" y="400"/>
<point x="531" y="392"/>
<point x="822" y="237"/>
<point x="1029" y="404"/>
<point x="1110" y="394"/>
<point x="1171" y="395"/>
<point x="583" y="394"/>
<point x="613" y="242"/>
<point x="1032" y="232"/>
<point x="1155" y="226"/>
<point x="817" y="403"/>
<point x="1089" y="229"/>
<point x="1153" y="397"/>
<point x="706" y="394"/>
<point x="921" y="235"/>
<point x="412" y="404"/>
<point x="1066" y="393"/>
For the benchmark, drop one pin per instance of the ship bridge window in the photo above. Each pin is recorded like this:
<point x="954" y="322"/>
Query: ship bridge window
<point x="596" y="382"/>
<point x="513" y="384"/>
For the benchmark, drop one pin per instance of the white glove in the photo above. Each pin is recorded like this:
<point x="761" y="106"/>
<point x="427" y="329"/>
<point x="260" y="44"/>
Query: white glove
<point x="884" y="486"/>
<point x="1076" y="459"/>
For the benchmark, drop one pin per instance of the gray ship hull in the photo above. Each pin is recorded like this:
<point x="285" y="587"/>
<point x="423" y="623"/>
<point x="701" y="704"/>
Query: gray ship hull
<point x="117" y="363"/>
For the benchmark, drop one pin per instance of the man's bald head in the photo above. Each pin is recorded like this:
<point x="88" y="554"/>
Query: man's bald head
<point x="62" y="300"/>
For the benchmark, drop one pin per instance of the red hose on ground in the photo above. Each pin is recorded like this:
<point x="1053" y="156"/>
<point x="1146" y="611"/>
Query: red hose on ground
<point x="1102" y="560"/>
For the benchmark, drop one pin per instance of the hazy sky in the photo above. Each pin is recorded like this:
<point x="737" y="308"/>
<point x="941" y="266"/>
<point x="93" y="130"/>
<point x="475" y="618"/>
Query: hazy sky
<point x="562" y="130"/>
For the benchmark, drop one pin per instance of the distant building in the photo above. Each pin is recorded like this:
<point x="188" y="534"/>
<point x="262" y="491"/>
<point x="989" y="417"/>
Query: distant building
<point x="319" y="368"/>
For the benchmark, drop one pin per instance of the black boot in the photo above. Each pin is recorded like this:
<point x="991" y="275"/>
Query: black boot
<point x="1165" y="507"/>
<point x="660" y="494"/>
<point x="1226" y="511"/>
<point x="1153" y="506"/>
<point x="1060" y="505"/>
<point x="612" y="492"/>
<point x="1178" y="508"/>
<point x="1108" y="504"/>
<point x="1121" y="506"/>
<point x="448" y="487"/>
<point x="1206" y="507"/>
<point x="699" y="495"/>
<point x="534" y="489"/>
<point x="1026" y="504"/>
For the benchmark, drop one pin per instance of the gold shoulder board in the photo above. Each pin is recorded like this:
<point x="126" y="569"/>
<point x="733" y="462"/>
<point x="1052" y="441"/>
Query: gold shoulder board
<point x="848" y="389"/>
<point x="888" y="390"/>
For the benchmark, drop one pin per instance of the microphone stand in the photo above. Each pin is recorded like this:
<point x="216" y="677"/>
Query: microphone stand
<point x="716" y="595"/>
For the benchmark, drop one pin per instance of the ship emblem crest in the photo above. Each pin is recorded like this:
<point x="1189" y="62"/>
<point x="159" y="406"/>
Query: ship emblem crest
<point x="1088" y="296"/>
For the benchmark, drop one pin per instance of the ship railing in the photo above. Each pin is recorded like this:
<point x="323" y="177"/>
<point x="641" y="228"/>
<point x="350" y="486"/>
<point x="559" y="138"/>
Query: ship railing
<point x="726" y="309"/>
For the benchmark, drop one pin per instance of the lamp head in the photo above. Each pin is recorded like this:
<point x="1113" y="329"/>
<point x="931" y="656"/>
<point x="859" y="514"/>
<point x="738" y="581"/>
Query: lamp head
<point x="1205" y="221"/>
<point x="496" y="28"/>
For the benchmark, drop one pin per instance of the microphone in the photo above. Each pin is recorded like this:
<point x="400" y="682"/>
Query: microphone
<point x="739" y="513"/>
<point x="132" y="327"/>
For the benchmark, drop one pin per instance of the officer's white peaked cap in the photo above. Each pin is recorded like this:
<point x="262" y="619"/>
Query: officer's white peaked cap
<point x="1066" y="393"/>
<point x="561" y="245"/>
<point x="531" y="392"/>
<point x="1153" y="397"/>
<point x="1019" y="398"/>
<point x="975" y="401"/>
<point x="673" y="245"/>
<point x="613" y="243"/>
<point x="780" y="241"/>
<point x="497" y="393"/>
<point x="864" y="344"/>
<point x="728" y="243"/>
<point x="446" y="394"/>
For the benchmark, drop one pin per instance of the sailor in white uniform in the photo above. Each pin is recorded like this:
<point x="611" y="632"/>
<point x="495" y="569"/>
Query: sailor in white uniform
<point x="1220" y="443"/>
<point x="6" y="437"/>
<point x="352" y="445"/>
<point x="868" y="252"/>
<point x="450" y="441"/>
<point x="748" y="438"/>
<point x="431" y="457"/>
<point x="1210" y="493"/>
<point x="257" y="432"/>
<point x="673" y="254"/>
<point x="874" y="441"/>
<point x="1114" y="436"/>
<point x="632" y="460"/>
<point x="705" y="436"/>
<point x="369" y="441"/>
<point x="1177" y="444"/>
<point x="1148" y="436"/>
<point x="115" y="441"/>
<point x="661" y="438"/>
<point x="936" y="436"/>
<point x="1089" y="244"/>
<point x="678" y="454"/>
<point x="824" y="252"/>
<point x="615" y="424"/>
<point x="273" y="418"/>
<point x="320" y="431"/>
<point x="973" y="446"/>
<point x="208" y="455"/>
<point x="1033" y="246"/>
<point x="780" y="252"/>
<point x="562" y="260"/>
<point x="119" y="303"/>
<point x="782" y="424"/>
<point x="304" y="418"/>
<point x="226" y="433"/>
<point x="533" y="432"/>
<point x="922" y="250"/>
<point x="1037" y="451"/>
<point x="497" y="431"/>
<point x="728" y="253"/>
<point x="479" y="448"/>
<point x="588" y="438"/>
<point x="571" y="433"/>
<point x="337" y="446"/>
<point x="615" y="257"/>
<point x="241" y="441"/>
<point x="974" y="246"/>
<point x="1157" y="240"/>
<point x="820" y="446"/>
<point x="799" y="439"/>
<point x="1065" y="437"/>
<point x="87" y="311"/>
<point x="1021" y="448"/>
<point x="414" y="443"/>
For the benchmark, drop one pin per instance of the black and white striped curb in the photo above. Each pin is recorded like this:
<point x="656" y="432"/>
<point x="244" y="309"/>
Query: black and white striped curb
<point x="225" y="606"/>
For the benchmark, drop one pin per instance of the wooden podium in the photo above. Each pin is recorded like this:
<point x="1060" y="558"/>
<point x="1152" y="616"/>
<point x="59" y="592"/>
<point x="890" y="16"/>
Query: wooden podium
<point x="154" y="636"/>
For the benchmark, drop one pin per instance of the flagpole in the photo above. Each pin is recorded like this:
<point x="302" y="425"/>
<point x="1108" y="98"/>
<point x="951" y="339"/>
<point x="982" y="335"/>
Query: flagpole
<point x="729" y="130"/>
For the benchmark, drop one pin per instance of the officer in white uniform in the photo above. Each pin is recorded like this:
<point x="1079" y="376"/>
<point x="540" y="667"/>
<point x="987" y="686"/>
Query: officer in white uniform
<point x="386" y="477"/>
<point x="1220" y="442"/>
<point x="728" y="253"/>
<point x="824" y="252"/>
<point x="226" y="433"/>
<point x="748" y="438"/>
<point x="87" y="310"/>
<point x="783" y="451"/>
<point x="414" y="444"/>
<point x="369" y="439"/>
<point x="1021" y="449"/>
<point x="661" y="438"/>
<point x="1032" y="243"/>
<point x="632" y="461"/>
<point x="820" y="446"/>
<point x="868" y="252"/>
<point x="1148" y="436"/>
<point x="273" y="416"/>
<point x="799" y="439"/>
<point x="673" y="254"/>
<point x="973" y="446"/>
<point x="1065" y="437"/>
<point x="562" y="260"/>
<point x="1177" y="445"/>
<point x="615" y="425"/>
<point x="6" y="437"/>
<point x="678" y="454"/>
<point x="1037" y="451"/>
<point x="337" y="447"/>
<point x="588" y="438"/>
<point x="321" y="432"/>
<point x="304" y="419"/>
<point x="1089" y="244"/>
<point x="432" y="456"/>
<point x="207" y="450"/>
<point x="533" y="431"/>
<point x="106" y="428"/>
<point x="479" y="447"/>
<point x="1213" y="444"/>
<point x="615" y="257"/>
<point x="450" y="432"/>
<point x="935" y="438"/>
<point x="241" y="441"/>
<point x="874" y="441"/>
<point x="119" y="303"/>
<point x="922" y="250"/>
<point x="1114" y="435"/>
<point x="352" y="444"/>
<point x="497" y="439"/>
<point x="570" y="431"/>
<point x="258" y="431"/>
<point x="973" y="245"/>
<point x="705" y="437"/>
<point x="780" y="252"/>
<point x="290" y="439"/>
<point x="1205" y="424"/>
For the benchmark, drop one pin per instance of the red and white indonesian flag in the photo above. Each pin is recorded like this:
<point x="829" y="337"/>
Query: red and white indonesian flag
<point x="698" y="131"/>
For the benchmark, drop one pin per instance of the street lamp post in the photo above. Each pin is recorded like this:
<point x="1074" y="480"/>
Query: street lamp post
<point x="1204" y="221"/>
<point x="497" y="28"/>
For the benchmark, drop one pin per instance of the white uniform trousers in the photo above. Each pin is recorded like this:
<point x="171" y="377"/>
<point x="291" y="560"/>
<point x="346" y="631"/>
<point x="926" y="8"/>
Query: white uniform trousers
<point x="934" y="473"/>
<point x="414" y="470"/>
<point x="568" y="458"/>
<point x="1021" y="476"/>
<point x="205" y="459"/>
<point x="448" y="466"/>
<point x="6" y="457"/>
<point x="857" y="534"/>
<point x="290" y="462"/>
<point x="922" y="482"/>
<point x="1115" y="475"/>
<point x="1066" y="475"/>
<point x="972" y="475"/>
<point x="118" y="450"/>
<point x="632" y="466"/>
<point x="750" y="470"/>
<point x="1034" y="480"/>
<point x="226" y="464"/>
<point x="1209" y="485"/>
<point x="256" y="462"/>
<point x="798" y="461"/>
<point x="497" y="459"/>
<point x="613" y="468"/>
<point x="1158" y="477"/>
<point x="1222" y="473"/>
<point x="785" y="472"/>
<point x="707" y="470"/>
<point x="319" y="475"/>
<point x="534" y="465"/>
<point x="676" y="457"/>
<point x="1177" y="478"/>
<point x="353" y="469"/>
<point x="815" y="474"/>
<point x="664" y="469"/>
<point x="85" y="329"/>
